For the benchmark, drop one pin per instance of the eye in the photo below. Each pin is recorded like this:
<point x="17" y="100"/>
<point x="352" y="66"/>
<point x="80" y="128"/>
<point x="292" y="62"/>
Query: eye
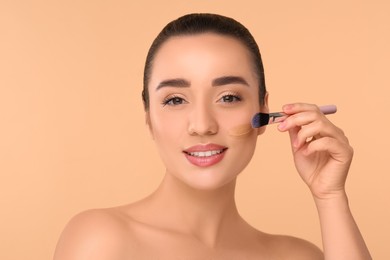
<point x="230" y="98"/>
<point x="173" y="101"/>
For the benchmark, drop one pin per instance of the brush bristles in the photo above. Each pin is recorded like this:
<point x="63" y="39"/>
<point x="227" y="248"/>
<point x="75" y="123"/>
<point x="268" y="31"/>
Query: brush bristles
<point x="260" y="119"/>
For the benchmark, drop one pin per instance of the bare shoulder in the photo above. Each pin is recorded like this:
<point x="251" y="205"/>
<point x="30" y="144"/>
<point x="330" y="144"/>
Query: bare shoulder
<point x="93" y="234"/>
<point x="289" y="247"/>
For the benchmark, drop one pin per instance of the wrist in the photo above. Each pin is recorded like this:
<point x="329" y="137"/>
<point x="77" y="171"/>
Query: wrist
<point x="334" y="200"/>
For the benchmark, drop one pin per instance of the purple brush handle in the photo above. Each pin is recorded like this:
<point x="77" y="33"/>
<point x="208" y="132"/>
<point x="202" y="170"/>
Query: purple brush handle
<point x="326" y="110"/>
<point x="329" y="109"/>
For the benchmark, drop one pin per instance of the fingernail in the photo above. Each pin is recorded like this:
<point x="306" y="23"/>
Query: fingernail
<point x="287" y="107"/>
<point x="282" y="126"/>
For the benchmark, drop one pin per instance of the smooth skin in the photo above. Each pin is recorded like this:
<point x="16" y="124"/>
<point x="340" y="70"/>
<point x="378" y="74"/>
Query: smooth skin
<point x="192" y="214"/>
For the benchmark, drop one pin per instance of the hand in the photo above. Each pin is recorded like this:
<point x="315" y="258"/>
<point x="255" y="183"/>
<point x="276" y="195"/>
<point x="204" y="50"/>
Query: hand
<point x="321" y="151"/>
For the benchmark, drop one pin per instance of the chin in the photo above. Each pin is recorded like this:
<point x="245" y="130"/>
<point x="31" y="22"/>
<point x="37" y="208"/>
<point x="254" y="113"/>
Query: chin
<point x="207" y="179"/>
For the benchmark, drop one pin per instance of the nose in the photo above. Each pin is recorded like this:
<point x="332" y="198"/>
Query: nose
<point x="201" y="121"/>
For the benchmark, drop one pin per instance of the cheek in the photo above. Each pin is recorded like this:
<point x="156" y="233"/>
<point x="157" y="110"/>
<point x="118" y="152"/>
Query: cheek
<point x="166" y="127"/>
<point x="237" y="123"/>
<point x="239" y="155"/>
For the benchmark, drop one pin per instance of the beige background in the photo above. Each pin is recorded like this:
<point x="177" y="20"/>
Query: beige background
<point x="72" y="132"/>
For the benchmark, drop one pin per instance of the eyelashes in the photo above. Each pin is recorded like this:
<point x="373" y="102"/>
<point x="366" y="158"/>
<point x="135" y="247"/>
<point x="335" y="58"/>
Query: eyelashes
<point x="173" y="101"/>
<point x="230" y="98"/>
<point x="226" y="99"/>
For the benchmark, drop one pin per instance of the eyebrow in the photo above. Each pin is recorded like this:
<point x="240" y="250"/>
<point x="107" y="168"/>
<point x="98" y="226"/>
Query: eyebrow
<point x="221" y="81"/>
<point x="226" y="80"/>
<point x="179" y="83"/>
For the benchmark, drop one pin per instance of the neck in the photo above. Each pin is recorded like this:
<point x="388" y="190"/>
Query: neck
<point x="204" y="214"/>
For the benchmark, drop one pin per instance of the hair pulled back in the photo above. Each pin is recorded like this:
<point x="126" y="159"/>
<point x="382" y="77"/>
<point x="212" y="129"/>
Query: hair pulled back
<point x="192" y="24"/>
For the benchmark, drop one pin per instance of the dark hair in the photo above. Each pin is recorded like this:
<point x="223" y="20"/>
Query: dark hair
<point x="192" y="24"/>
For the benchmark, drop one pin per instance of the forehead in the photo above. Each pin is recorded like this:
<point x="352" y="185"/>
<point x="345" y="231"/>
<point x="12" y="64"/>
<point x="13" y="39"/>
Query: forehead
<point x="202" y="53"/>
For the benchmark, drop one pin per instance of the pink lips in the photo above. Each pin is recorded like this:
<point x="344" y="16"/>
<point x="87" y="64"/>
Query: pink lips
<point x="205" y="155"/>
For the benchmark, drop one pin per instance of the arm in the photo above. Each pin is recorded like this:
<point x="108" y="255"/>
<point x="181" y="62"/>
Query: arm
<point x="340" y="234"/>
<point x="322" y="156"/>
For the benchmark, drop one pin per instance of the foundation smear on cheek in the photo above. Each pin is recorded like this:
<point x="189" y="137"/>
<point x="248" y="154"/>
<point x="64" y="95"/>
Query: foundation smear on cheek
<point x="240" y="130"/>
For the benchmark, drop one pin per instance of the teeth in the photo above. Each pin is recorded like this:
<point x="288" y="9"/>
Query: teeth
<point x="206" y="153"/>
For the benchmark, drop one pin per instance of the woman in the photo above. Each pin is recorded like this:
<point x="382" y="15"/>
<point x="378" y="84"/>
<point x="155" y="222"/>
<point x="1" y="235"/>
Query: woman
<point x="204" y="79"/>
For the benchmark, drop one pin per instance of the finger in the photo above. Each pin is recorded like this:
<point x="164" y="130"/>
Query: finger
<point x="318" y="129"/>
<point x="300" y="115"/>
<point x="293" y="136"/>
<point x="299" y="107"/>
<point x="339" y="151"/>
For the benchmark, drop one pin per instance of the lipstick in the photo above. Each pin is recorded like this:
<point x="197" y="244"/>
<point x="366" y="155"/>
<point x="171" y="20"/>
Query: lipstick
<point x="205" y="155"/>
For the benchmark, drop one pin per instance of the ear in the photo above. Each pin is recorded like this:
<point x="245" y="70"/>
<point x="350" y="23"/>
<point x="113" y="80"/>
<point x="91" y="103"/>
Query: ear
<point x="263" y="109"/>
<point x="149" y="124"/>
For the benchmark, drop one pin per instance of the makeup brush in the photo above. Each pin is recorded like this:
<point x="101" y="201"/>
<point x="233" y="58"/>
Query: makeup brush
<point x="262" y="119"/>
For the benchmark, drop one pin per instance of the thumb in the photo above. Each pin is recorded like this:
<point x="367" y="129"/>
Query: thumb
<point x="293" y="132"/>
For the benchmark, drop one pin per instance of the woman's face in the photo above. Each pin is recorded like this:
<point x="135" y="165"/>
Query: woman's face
<point x="201" y="88"/>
